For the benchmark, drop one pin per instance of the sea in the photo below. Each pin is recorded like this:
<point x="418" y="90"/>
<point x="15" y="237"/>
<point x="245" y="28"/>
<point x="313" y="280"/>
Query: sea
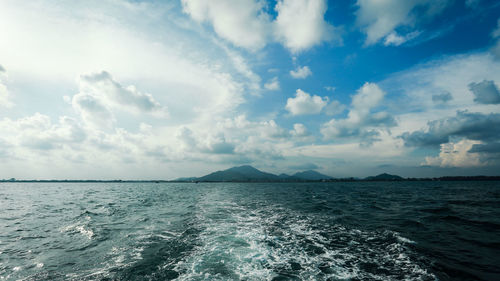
<point x="430" y="230"/>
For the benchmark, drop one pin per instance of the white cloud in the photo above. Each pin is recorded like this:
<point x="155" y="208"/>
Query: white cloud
<point x="455" y="154"/>
<point x="388" y="148"/>
<point x="300" y="24"/>
<point x="99" y="96"/>
<point x="303" y="103"/>
<point x="240" y="128"/>
<point x="361" y="122"/>
<point x="269" y="129"/>
<point x="37" y="132"/>
<point x="93" y="111"/>
<point x="243" y="23"/>
<point x="4" y="93"/>
<point x="273" y="84"/>
<point x="301" y="134"/>
<point x="299" y="130"/>
<point x="241" y="66"/>
<point x="453" y="74"/>
<point x="367" y="97"/>
<point x="102" y="86"/>
<point x="379" y="19"/>
<point x="116" y="36"/>
<point x="201" y="80"/>
<point x="431" y="100"/>
<point x="301" y="72"/>
<point x="395" y="39"/>
<point x="203" y="142"/>
<point x="334" y="108"/>
<point x="201" y="91"/>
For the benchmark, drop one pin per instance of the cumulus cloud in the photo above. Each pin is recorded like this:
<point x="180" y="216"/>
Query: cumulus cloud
<point x="100" y="95"/>
<point x="219" y="145"/>
<point x="93" y="111"/>
<point x="204" y="143"/>
<point x="303" y="103"/>
<point x="233" y="139"/>
<point x="367" y="97"/>
<point x="264" y="129"/>
<point x="4" y="93"/>
<point x="185" y="135"/>
<point x="334" y="108"/>
<point x="211" y="80"/>
<point x="301" y="72"/>
<point x="270" y="129"/>
<point x="273" y="84"/>
<point x="379" y="19"/>
<point x="242" y="23"/>
<point x="4" y="149"/>
<point x="102" y="86"/>
<point x="485" y="92"/>
<point x="456" y="154"/>
<point x="300" y="24"/>
<point x="361" y="121"/>
<point x="299" y="130"/>
<point x="473" y="126"/>
<point x="38" y="132"/>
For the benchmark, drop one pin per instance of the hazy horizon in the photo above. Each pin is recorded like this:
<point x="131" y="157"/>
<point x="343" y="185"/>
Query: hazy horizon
<point x="129" y="89"/>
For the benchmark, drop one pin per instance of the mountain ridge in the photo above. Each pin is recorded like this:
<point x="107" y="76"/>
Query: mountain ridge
<point x="384" y="176"/>
<point x="247" y="173"/>
<point x="239" y="173"/>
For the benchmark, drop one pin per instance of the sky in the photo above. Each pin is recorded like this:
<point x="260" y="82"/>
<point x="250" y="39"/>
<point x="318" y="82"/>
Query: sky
<point x="122" y="89"/>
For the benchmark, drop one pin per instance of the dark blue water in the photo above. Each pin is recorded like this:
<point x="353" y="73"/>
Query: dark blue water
<point x="231" y="231"/>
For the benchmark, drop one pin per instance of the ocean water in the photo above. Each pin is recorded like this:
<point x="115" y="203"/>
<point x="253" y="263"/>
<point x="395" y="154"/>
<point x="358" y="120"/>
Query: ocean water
<point x="250" y="231"/>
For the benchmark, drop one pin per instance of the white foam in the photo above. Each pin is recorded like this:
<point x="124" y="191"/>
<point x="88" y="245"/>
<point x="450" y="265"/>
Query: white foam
<point x="86" y="232"/>
<point x="405" y="240"/>
<point x="255" y="244"/>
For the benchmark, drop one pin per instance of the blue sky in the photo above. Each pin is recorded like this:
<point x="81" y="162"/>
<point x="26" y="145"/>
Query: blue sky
<point x="164" y="89"/>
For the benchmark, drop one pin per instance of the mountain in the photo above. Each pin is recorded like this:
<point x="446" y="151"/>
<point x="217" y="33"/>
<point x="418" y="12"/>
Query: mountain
<point x="384" y="177"/>
<point x="284" y="176"/>
<point x="311" y="175"/>
<point x="241" y="173"/>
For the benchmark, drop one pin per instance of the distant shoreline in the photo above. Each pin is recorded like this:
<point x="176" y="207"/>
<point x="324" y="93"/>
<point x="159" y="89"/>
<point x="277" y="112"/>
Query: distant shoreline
<point x="456" y="178"/>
